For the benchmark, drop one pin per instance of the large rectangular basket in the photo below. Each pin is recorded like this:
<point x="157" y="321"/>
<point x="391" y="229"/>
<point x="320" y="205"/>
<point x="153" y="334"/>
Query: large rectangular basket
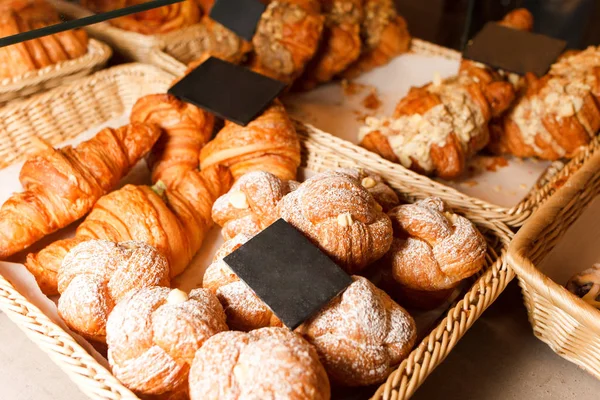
<point x="67" y="111"/>
<point x="132" y="45"/>
<point x="175" y="55"/>
<point x="566" y="323"/>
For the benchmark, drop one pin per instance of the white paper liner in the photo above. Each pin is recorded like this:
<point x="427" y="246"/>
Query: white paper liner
<point x="332" y="111"/>
<point x="191" y="278"/>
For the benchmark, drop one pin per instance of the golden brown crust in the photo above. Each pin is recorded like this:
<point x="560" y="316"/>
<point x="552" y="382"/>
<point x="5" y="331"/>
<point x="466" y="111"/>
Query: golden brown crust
<point x="62" y="185"/>
<point x="251" y="204"/>
<point x="269" y="143"/>
<point x="361" y="335"/>
<point x="287" y="38"/>
<point x="433" y="249"/>
<point x="385" y="35"/>
<point x="186" y="129"/>
<point x="341" y="43"/>
<point x="156" y="21"/>
<point x="341" y="217"/>
<point x="154" y="333"/>
<point x="520" y="19"/>
<point x="97" y="274"/>
<point x="586" y="285"/>
<point x="174" y="222"/>
<point x="270" y="363"/>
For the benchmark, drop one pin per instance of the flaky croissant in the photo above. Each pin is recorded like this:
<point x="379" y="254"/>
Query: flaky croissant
<point x="22" y="16"/>
<point x="174" y="222"/>
<point x="384" y="34"/>
<point x="269" y="143"/>
<point x="62" y="185"/>
<point x="341" y="44"/>
<point x="186" y="129"/>
<point x="97" y="274"/>
<point x="433" y="250"/>
<point x="286" y="38"/>
<point x="156" y="21"/>
<point x="341" y="217"/>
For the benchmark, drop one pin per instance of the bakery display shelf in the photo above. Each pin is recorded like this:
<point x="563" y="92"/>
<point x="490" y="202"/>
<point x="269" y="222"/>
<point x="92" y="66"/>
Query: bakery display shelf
<point x="174" y="56"/>
<point x="570" y="326"/>
<point x="134" y="46"/>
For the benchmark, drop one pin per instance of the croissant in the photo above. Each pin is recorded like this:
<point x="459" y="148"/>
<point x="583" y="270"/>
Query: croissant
<point x="581" y="65"/>
<point x="341" y="44"/>
<point x="156" y="21"/>
<point x="62" y="185"/>
<point x="97" y="274"/>
<point x="287" y="38"/>
<point x="432" y="251"/>
<point x="22" y="16"/>
<point x="341" y="217"/>
<point x="186" y="129"/>
<point x="269" y="143"/>
<point x="520" y="19"/>
<point x="251" y="204"/>
<point x="384" y="34"/>
<point x="174" y="221"/>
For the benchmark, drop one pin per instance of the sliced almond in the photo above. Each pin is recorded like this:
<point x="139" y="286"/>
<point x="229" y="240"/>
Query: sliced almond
<point x="177" y="296"/>
<point x="345" y="219"/>
<point x="238" y="200"/>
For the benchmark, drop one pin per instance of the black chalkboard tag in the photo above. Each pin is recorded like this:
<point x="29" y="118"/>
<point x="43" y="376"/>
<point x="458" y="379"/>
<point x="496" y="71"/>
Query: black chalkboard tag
<point x="229" y="91"/>
<point x="513" y="50"/>
<point x="288" y="273"/>
<point x="239" y="16"/>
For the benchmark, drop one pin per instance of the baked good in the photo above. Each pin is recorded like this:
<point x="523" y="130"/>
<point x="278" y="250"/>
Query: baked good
<point x="287" y="38"/>
<point x="519" y="18"/>
<point x="270" y="363"/>
<point x="553" y="117"/>
<point x="586" y="285"/>
<point x="361" y="335"/>
<point x="432" y="252"/>
<point x="384" y="35"/>
<point x="62" y="185"/>
<point x="581" y="65"/>
<point x="435" y="129"/>
<point x="154" y="333"/>
<point x="21" y="58"/>
<point x="156" y="21"/>
<point x="97" y="274"/>
<point x="341" y="217"/>
<point x="251" y="204"/>
<point x="186" y="129"/>
<point x="174" y="221"/>
<point x="381" y="192"/>
<point x="269" y="143"/>
<point x="341" y="43"/>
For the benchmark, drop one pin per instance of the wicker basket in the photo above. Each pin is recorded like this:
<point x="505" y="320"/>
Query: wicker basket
<point x="174" y="56"/>
<point x="65" y="112"/>
<point x="134" y="46"/>
<point x="566" y="323"/>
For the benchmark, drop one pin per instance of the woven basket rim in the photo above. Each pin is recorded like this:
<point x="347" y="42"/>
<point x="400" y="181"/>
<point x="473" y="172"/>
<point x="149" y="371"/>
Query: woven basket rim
<point x="412" y="372"/>
<point x="513" y="216"/>
<point x="518" y="253"/>
<point x="98" y="54"/>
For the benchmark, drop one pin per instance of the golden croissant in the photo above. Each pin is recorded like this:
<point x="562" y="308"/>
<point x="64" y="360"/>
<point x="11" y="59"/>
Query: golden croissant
<point x="186" y="129"/>
<point x="287" y="38"/>
<point x="269" y="143"/>
<point x="62" y="185"/>
<point x="22" y="16"/>
<point x="385" y="36"/>
<point x="174" y="221"/>
<point x="156" y="21"/>
<point x="341" y="44"/>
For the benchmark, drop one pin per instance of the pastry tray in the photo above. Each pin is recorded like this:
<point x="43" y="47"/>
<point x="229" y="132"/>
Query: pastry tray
<point x="507" y="189"/>
<point x="76" y="111"/>
<point x="560" y="240"/>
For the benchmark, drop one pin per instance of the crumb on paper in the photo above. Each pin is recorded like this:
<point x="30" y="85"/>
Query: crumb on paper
<point x="372" y="101"/>
<point x="512" y="193"/>
<point x="352" y="88"/>
<point x="469" y="183"/>
<point x="497" y="188"/>
<point x="523" y="186"/>
<point x="361" y="116"/>
<point x="493" y="163"/>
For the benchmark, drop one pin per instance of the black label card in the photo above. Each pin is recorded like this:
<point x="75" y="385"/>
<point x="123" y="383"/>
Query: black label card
<point x="514" y="50"/>
<point x="239" y="16"/>
<point x="229" y="91"/>
<point x="290" y="274"/>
